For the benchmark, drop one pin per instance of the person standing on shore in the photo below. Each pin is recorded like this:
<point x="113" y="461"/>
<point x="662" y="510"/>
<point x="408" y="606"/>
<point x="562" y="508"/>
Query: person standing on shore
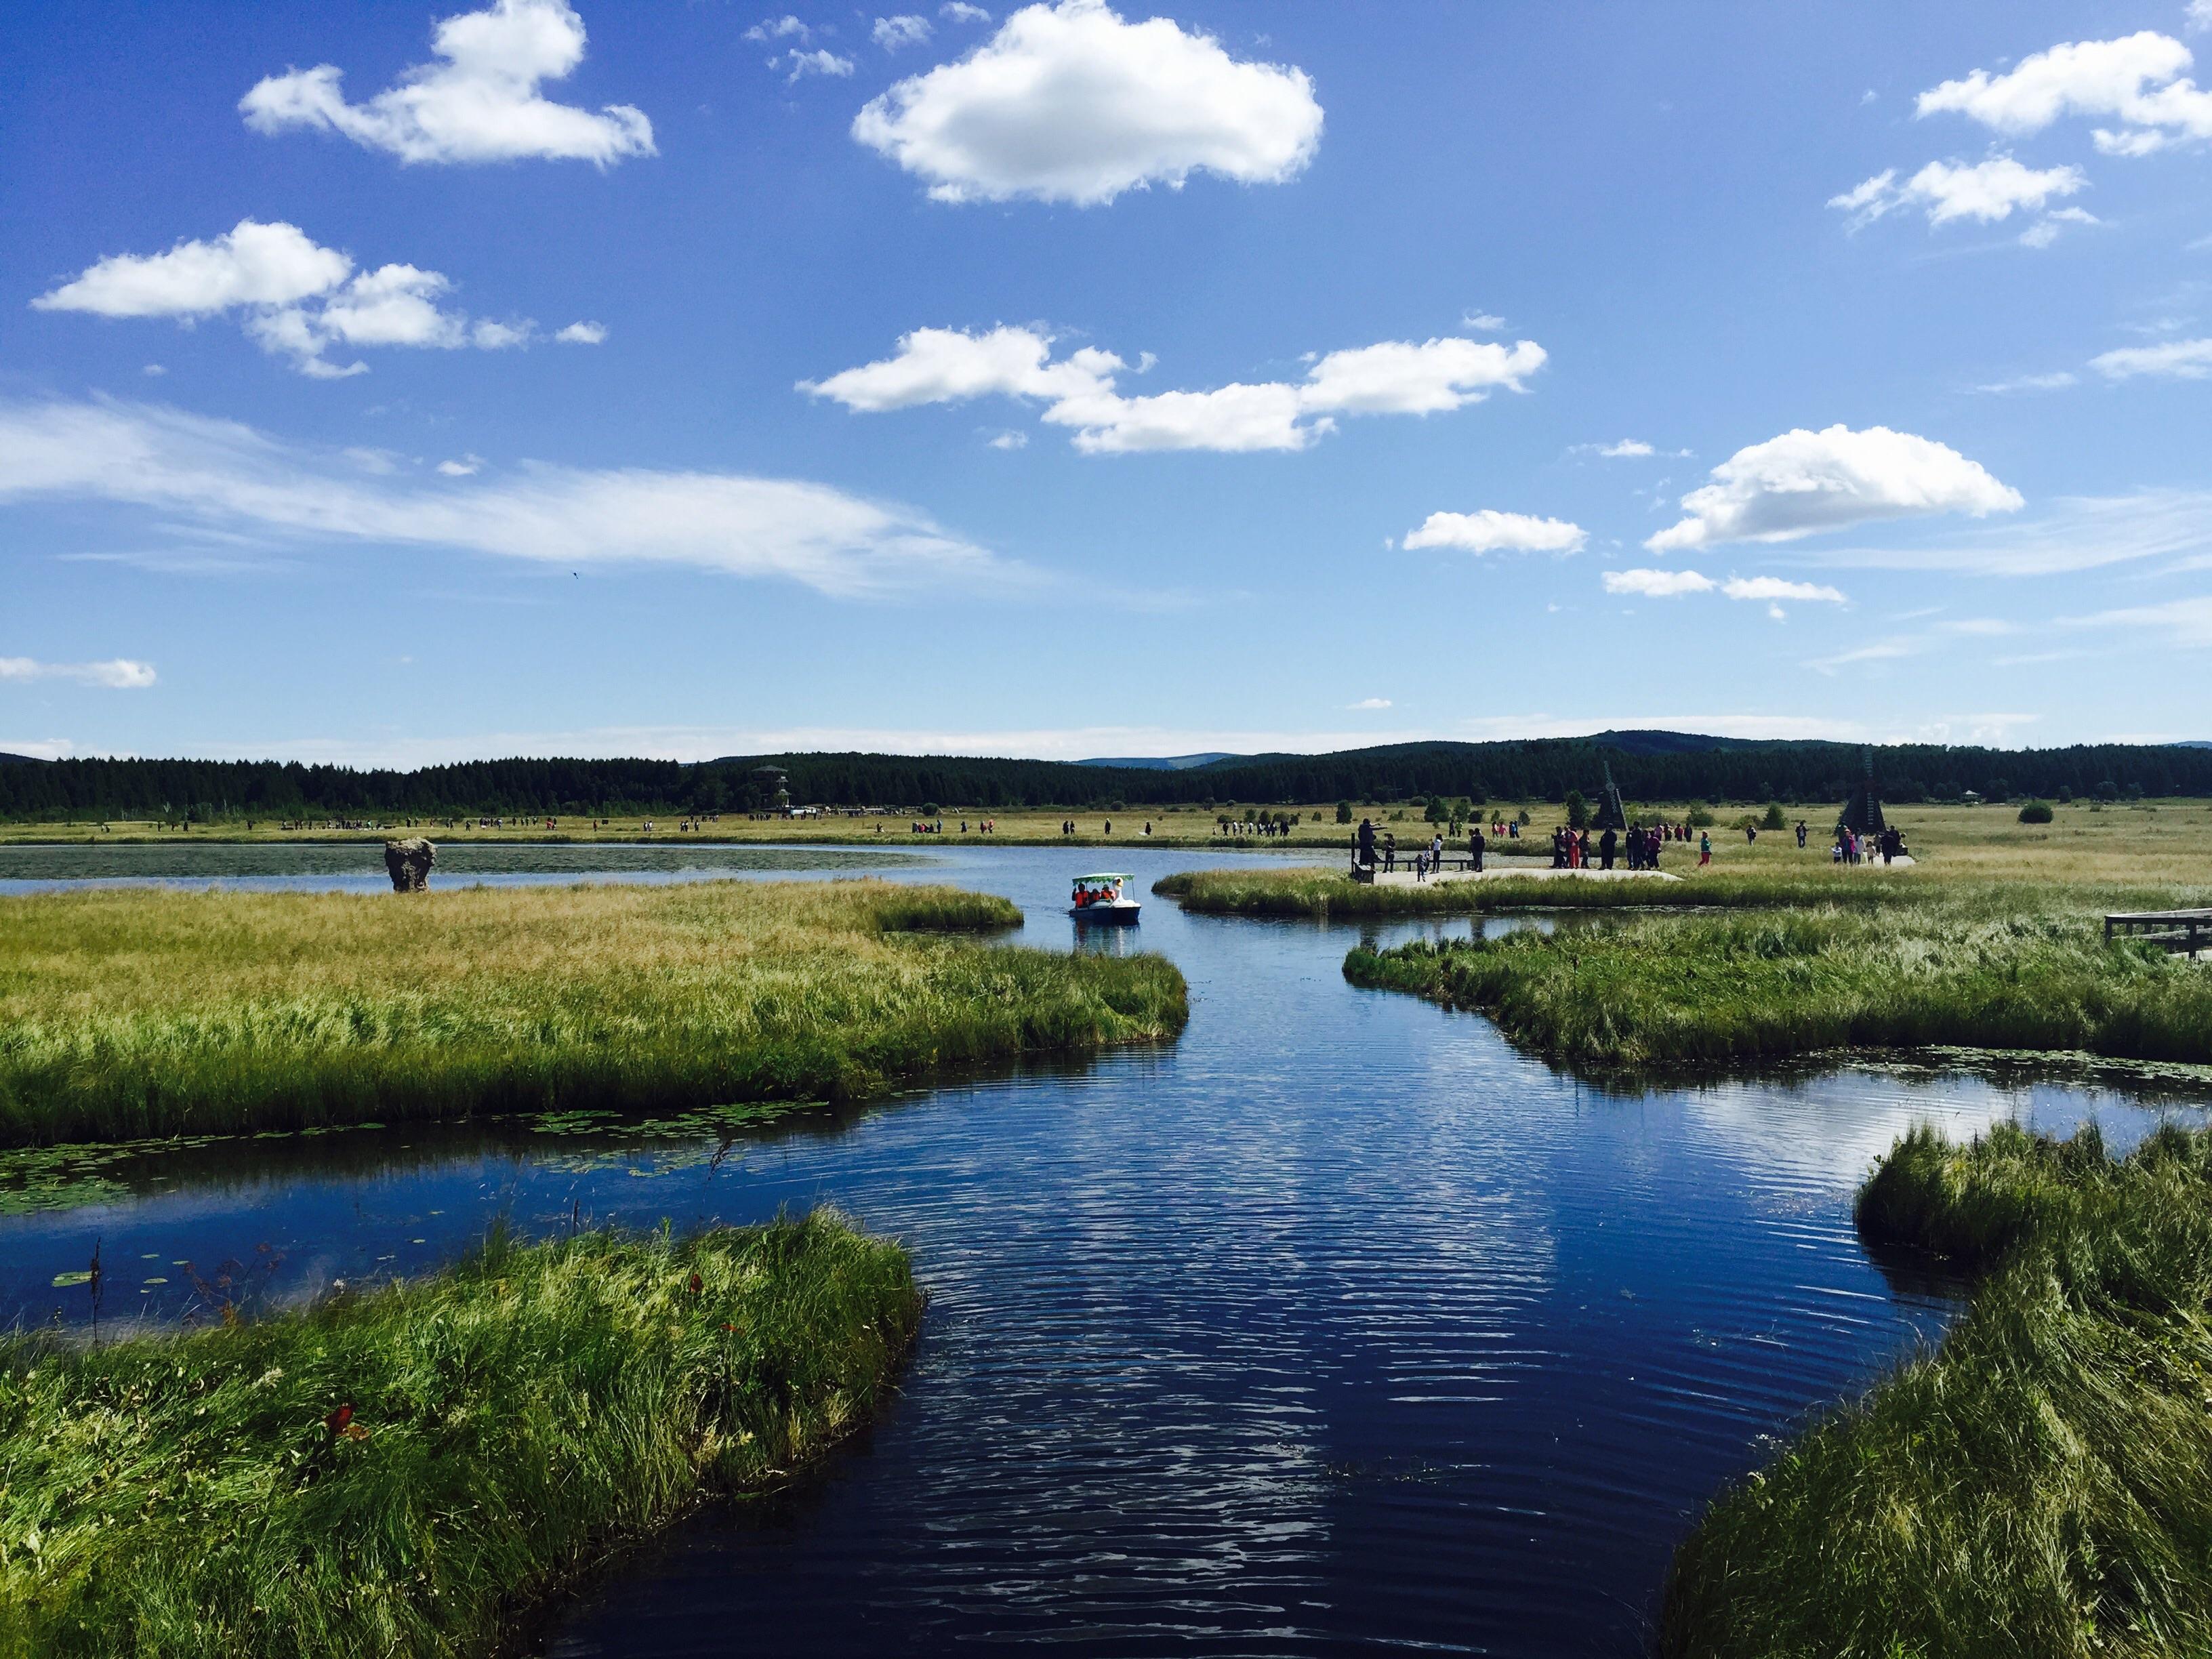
<point x="1364" y="843"/>
<point x="1476" y="847"/>
<point x="1607" y="844"/>
<point x="1704" y="848"/>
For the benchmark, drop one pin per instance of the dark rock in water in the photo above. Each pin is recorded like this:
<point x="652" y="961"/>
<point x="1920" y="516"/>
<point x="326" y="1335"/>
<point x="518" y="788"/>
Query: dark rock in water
<point x="408" y="862"/>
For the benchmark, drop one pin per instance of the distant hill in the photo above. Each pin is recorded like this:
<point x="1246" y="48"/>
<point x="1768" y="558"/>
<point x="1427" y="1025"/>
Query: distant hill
<point x="7" y="759"/>
<point x="1163" y="762"/>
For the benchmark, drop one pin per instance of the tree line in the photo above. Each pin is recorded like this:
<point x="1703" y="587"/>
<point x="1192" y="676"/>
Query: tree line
<point x="1647" y="768"/>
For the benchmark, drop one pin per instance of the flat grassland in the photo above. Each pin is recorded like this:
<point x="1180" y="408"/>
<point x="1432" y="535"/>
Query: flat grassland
<point x="2141" y="855"/>
<point x="407" y="1471"/>
<point x="2042" y="1484"/>
<point x="136" y="1013"/>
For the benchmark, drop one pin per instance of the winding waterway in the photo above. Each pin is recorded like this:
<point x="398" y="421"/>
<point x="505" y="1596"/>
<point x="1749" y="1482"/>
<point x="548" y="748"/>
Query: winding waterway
<point x="1337" y="1324"/>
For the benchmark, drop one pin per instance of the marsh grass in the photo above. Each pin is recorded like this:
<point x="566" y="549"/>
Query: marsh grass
<point x="2041" y="1487"/>
<point x="1330" y="894"/>
<point x="125" y="1015"/>
<point x="1967" y="971"/>
<point x="406" y="1472"/>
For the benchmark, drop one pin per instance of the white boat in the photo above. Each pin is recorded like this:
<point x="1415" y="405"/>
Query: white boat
<point x="1100" y="898"/>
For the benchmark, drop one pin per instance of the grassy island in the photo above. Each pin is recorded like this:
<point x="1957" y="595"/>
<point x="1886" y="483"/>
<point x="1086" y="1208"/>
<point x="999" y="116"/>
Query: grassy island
<point x="127" y="1014"/>
<point x="2042" y="1485"/>
<point x="1330" y="895"/>
<point x="407" y="1471"/>
<point x="1966" y="970"/>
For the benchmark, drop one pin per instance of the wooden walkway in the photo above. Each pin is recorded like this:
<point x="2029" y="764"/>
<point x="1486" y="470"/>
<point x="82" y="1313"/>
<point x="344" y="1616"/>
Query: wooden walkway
<point x="2184" y="933"/>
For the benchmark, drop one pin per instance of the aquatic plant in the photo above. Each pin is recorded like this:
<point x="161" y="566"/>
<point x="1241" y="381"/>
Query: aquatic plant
<point x="2040" y="1486"/>
<point x="407" y="1470"/>
<point x="1661" y="992"/>
<point x="129" y="1014"/>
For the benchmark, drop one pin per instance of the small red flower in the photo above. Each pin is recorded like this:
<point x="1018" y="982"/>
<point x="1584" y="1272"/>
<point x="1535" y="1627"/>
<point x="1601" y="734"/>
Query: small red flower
<point x="338" y="1421"/>
<point x="697" y="1284"/>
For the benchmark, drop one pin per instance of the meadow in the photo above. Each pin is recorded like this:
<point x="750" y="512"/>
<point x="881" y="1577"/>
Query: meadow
<point x="126" y="1014"/>
<point x="1967" y="965"/>
<point x="411" y="1469"/>
<point x="2038" y="1488"/>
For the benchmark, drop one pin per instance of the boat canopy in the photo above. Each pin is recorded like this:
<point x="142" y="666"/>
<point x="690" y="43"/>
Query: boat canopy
<point x="1109" y="875"/>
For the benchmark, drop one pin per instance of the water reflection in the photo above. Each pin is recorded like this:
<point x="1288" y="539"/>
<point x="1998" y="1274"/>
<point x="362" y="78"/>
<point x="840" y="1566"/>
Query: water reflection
<point x="1339" y="1322"/>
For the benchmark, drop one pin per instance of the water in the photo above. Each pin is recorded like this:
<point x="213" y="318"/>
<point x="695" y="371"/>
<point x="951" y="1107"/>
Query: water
<point x="1336" y="1324"/>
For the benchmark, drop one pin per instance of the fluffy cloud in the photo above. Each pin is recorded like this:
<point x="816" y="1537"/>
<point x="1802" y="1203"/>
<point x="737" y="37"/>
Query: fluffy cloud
<point x="480" y="102"/>
<point x="2178" y="360"/>
<point x="906" y="30"/>
<point x="1081" y="391"/>
<point x="817" y="62"/>
<point x="1069" y="103"/>
<point x="1369" y="705"/>
<point x="119" y="674"/>
<point x="1803" y="482"/>
<point x="779" y="29"/>
<point x="1657" y="584"/>
<point x="1626" y="449"/>
<point x="294" y="297"/>
<point x="1400" y="377"/>
<point x="221" y="477"/>
<point x="959" y="11"/>
<point x="1987" y="190"/>
<point x="1489" y="531"/>
<point x="583" y="334"/>
<point x="2137" y="82"/>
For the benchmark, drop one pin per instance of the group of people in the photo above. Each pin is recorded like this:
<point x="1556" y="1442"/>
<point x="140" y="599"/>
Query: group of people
<point x="1572" y="849"/>
<point x="1854" y="848"/>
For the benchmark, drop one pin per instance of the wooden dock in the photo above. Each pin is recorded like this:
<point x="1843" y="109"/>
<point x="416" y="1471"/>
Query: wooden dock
<point x="2184" y="933"/>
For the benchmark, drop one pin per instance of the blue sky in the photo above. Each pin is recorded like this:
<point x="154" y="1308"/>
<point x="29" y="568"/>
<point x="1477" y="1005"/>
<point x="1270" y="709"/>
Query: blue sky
<point x="392" y="385"/>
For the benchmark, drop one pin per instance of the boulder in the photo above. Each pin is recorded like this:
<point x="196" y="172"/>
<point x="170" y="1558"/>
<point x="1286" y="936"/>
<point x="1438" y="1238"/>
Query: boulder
<point x="409" y="863"/>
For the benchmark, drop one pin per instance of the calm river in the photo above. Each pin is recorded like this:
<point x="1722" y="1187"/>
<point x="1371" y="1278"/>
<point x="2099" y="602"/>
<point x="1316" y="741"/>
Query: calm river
<point x="1336" y="1324"/>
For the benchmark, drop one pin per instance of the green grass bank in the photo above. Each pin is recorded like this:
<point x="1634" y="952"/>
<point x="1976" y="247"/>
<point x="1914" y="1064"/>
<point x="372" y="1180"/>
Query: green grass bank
<point x="410" y="1472"/>
<point x="131" y="1014"/>
<point x="1682" y="991"/>
<point x="2038" y="1488"/>
<point x="1330" y="895"/>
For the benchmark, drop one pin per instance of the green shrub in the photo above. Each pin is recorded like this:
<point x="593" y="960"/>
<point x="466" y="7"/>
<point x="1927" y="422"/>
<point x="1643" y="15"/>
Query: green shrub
<point x="2035" y="811"/>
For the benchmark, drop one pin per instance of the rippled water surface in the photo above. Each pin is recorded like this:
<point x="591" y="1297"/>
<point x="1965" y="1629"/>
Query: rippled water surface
<point x="1336" y="1324"/>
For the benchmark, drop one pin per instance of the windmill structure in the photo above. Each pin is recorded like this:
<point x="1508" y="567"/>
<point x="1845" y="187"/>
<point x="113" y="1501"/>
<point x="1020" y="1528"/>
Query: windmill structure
<point x="1611" y="814"/>
<point x="1862" y="813"/>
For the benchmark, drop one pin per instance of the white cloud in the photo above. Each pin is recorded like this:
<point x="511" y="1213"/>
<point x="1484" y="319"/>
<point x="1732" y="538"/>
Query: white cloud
<point x="2044" y="231"/>
<point x="2200" y="15"/>
<point x="779" y="29"/>
<point x="959" y="11"/>
<point x="1803" y="482"/>
<point x="1627" y="448"/>
<point x="2137" y="81"/>
<point x="1657" y="584"/>
<point x="480" y="102"/>
<point x="1774" y="590"/>
<point x="1081" y="391"/>
<point x="1397" y="377"/>
<point x="1009" y="440"/>
<point x="251" y="264"/>
<point x="1069" y="103"/>
<point x="119" y="674"/>
<point x="904" y="30"/>
<point x="1369" y="705"/>
<point x="1488" y="530"/>
<point x="227" y="479"/>
<point x="1482" y="322"/>
<point x="2183" y="622"/>
<point x="294" y="297"/>
<point x="2178" y="360"/>
<point x="2029" y="383"/>
<point x="2079" y="533"/>
<point x="817" y="62"/>
<point x="466" y="467"/>
<point x="1986" y="191"/>
<point x="583" y="334"/>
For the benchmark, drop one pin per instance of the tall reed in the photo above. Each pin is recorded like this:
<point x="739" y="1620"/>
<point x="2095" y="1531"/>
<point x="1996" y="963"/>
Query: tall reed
<point x="409" y="1471"/>
<point x="131" y="1014"/>
<point x="1686" y="991"/>
<point x="2039" y="1488"/>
